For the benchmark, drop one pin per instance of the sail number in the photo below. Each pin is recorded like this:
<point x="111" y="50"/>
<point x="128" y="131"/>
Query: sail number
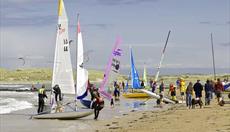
<point x="65" y="41"/>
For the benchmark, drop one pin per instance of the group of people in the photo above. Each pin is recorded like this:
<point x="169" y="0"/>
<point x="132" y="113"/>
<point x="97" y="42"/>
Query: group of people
<point x="98" y="102"/>
<point x="186" y="93"/>
<point x="209" y="88"/>
<point x="42" y="95"/>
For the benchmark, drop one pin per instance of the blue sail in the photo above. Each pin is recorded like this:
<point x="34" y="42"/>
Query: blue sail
<point x="134" y="74"/>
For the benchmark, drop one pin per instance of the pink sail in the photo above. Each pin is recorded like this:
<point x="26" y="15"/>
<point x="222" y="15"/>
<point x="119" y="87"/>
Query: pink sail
<point x="112" y="66"/>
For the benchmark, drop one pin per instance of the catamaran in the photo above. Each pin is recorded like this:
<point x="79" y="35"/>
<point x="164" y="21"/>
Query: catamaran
<point x="154" y="95"/>
<point x="135" y="82"/>
<point x="63" y="74"/>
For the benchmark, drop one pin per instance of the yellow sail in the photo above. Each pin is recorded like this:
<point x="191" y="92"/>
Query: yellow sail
<point x="60" y="7"/>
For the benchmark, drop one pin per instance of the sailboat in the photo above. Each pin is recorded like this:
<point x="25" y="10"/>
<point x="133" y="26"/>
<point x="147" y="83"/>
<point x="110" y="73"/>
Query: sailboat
<point x="62" y="71"/>
<point x="111" y="72"/>
<point x="82" y="73"/>
<point x="135" y="82"/>
<point x="154" y="95"/>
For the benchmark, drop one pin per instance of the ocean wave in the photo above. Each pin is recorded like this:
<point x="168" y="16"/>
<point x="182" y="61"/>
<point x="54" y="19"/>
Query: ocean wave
<point x="6" y="93"/>
<point x="11" y="85"/>
<point x="8" y="105"/>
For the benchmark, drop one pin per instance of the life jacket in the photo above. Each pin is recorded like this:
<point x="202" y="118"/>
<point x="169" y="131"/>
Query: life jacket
<point x="183" y="88"/>
<point x="41" y="91"/>
<point x="171" y="88"/>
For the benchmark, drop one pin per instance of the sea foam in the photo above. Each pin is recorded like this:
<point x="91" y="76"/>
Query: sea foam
<point x="8" y="105"/>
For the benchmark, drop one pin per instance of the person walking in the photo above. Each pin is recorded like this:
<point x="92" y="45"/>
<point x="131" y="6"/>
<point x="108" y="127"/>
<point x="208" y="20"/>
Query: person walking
<point x="162" y="88"/>
<point x="182" y="89"/>
<point x="189" y="92"/>
<point x="198" y="88"/>
<point x="41" y="96"/>
<point x="218" y="90"/>
<point x="98" y="105"/>
<point x="172" y="91"/>
<point x="208" y="87"/>
<point x="154" y="86"/>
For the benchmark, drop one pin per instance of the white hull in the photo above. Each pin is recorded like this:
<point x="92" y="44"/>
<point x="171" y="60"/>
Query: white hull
<point x="65" y="115"/>
<point x="154" y="95"/>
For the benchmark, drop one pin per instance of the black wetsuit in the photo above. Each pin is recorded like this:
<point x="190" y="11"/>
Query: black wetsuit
<point x="41" y="96"/>
<point x="57" y="92"/>
<point x="98" y="105"/>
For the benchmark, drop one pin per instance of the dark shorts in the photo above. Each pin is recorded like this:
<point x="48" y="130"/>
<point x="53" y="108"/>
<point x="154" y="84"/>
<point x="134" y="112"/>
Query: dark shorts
<point x="218" y="94"/>
<point x="182" y="93"/>
<point x="173" y="93"/>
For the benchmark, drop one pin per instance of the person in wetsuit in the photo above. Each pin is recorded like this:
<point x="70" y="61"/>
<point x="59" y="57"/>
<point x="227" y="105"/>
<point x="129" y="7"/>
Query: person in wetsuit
<point x="41" y="96"/>
<point x="57" y="92"/>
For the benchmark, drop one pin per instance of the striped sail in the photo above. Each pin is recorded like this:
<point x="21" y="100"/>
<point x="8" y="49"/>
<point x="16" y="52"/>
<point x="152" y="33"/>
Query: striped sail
<point x="135" y="77"/>
<point x="82" y="73"/>
<point x="112" y="70"/>
<point x="62" y="68"/>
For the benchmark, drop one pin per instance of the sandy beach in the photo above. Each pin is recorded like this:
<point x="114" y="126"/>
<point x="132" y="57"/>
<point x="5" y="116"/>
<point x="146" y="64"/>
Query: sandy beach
<point x="176" y="119"/>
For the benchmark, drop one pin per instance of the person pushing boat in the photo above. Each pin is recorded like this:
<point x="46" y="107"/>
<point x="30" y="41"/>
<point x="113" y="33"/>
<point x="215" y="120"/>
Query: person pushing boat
<point x="98" y="103"/>
<point x="58" y="98"/>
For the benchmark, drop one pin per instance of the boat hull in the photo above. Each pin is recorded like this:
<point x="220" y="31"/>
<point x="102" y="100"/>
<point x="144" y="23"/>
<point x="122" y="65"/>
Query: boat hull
<point x="135" y="95"/>
<point x="154" y="95"/>
<point x="65" y="115"/>
<point x="87" y="103"/>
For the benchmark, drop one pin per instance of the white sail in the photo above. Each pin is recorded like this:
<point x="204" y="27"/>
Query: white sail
<point x="82" y="74"/>
<point x="62" y="69"/>
<point x="145" y="76"/>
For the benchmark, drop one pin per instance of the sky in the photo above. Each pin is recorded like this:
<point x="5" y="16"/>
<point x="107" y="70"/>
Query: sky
<point x="28" y="30"/>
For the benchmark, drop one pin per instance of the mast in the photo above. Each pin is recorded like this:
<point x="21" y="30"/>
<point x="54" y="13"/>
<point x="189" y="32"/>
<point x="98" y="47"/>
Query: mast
<point x="75" y="100"/>
<point x="213" y="58"/>
<point x="162" y="57"/>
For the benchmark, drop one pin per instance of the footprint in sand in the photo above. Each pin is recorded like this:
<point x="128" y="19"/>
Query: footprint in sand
<point x="107" y="125"/>
<point x="114" y="122"/>
<point x="115" y="127"/>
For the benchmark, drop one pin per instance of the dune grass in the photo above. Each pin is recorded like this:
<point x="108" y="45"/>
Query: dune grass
<point x="45" y="75"/>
